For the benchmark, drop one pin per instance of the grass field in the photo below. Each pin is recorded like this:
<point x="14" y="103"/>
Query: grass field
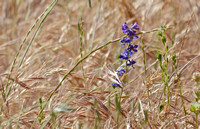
<point x="58" y="61"/>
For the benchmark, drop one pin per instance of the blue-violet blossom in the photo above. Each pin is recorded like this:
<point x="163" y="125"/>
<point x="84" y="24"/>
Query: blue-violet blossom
<point x="130" y="32"/>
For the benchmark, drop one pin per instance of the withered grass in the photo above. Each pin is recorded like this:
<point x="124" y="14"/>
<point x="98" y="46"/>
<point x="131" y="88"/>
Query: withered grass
<point x="87" y="100"/>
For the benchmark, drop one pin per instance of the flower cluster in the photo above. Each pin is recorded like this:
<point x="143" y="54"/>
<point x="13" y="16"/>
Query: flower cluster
<point x="130" y="49"/>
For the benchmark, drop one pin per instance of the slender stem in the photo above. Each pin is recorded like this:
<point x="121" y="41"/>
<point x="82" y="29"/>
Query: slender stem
<point x="81" y="46"/>
<point x="197" y="120"/>
<point x="175" y="64"/>
<point x="166" y="72"/>
<point x="145" y="71"/>
<point x="119" y="108"/>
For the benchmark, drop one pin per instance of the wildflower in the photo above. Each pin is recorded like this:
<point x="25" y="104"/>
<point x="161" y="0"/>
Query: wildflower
<point x="131" y="32"/>
<point x="130" y="50"/>
<point x="130" y="37"/>
<point x="134" y="37"/>
<point x="121" y="71"/>
<point x="124" y="28"/>
<point x="124" y="55"/>
<point x="127" y="40"/>
<point x="133" y="48"/>
<point x="130" y="53"/>
<point x="131" y="63"/>
<point x="116" y="84"/>
<point x="122" y="42"/>
<point x="135" y="26"/>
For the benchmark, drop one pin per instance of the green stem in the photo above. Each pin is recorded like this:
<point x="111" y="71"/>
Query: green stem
<point x="175" y="64"/>
<point x="145" y="71"/>
<point x="119" y="105"/>
<point x="185" y="112"/>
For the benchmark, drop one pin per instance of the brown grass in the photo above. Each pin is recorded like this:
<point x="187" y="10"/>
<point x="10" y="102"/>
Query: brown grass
<point x="56" y="49"/>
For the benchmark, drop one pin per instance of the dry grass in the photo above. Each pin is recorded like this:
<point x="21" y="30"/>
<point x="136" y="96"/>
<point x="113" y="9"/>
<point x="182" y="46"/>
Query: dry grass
<point x="88" y="100"/>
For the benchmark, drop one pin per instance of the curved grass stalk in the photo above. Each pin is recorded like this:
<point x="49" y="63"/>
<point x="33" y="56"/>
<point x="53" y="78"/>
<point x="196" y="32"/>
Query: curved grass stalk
<point x="45" y="16"/>
<point x="47" y="11"/>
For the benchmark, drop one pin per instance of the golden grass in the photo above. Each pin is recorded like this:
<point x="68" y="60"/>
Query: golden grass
<point x="89" y="101"/>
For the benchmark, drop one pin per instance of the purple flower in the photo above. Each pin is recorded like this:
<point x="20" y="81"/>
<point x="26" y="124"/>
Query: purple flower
<point x="127" y="39"/>
<point x="135" y="26"/>
<point x="131" y="32"/>
<point x="130" y="53"/>
<point x="131" y="63"/>
<point x="122" y="42"/>
<point x="132" y="48"/>
<point x="134" y="37"/>
<point x="124" y="55"/>
<point x="124" y="27"/>
<point x="121" y="71"/>
<point x="116" y="84"/>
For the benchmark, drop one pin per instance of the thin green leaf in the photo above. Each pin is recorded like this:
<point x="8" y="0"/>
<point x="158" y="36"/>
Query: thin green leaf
<point x="90" y="4"/>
